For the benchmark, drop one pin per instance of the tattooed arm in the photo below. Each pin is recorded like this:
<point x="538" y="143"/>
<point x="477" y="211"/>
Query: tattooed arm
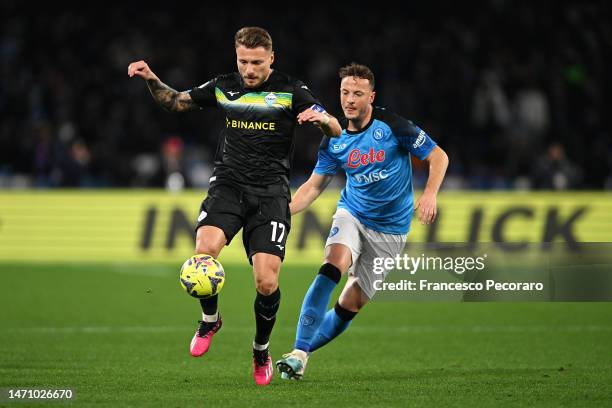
<point x="169" y="99"/>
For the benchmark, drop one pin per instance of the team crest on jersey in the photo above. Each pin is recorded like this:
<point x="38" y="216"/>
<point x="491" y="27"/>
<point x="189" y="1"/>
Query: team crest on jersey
<point x="270" y="99"/>
<point x="333" y="231"/>
<point x="378" y="134"/>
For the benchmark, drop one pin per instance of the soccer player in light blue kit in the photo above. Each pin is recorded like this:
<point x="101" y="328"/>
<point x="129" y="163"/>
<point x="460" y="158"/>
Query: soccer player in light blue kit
<point x="374" y="212"/>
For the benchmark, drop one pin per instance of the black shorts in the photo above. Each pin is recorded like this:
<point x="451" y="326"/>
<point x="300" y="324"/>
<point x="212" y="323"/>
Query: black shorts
<point x="266" y="221"/>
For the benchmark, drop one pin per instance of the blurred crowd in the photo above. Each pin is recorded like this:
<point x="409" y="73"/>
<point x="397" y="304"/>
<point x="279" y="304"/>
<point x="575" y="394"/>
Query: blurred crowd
<point x="516" y="93"/>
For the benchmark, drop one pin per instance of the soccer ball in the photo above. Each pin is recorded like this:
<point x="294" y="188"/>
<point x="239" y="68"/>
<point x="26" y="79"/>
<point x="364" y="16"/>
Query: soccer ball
<point x="202" y="276"/>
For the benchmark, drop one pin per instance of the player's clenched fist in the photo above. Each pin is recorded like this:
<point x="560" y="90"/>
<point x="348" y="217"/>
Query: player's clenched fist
<point x="141" y="69"/>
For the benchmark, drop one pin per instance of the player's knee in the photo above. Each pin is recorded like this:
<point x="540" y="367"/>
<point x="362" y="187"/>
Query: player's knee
<point x="209" y="240"/>
<point x="266" y="279"/>
<point x="204" y="247"/>
<point x="343" y="263"/>
<point x="340" y="257"/>
<point x="266" y="285"/>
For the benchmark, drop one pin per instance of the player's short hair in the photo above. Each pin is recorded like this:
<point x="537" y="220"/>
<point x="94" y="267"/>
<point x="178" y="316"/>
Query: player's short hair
<point x="357" y="70"/>
<point x="253" y="37"/>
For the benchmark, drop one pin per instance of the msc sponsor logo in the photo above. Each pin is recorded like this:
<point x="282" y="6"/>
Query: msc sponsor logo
<point x="371" y="177"/>
<point x="356" y="158"/>
<point x="244" y="124"/>
<point x="419" y="140"/>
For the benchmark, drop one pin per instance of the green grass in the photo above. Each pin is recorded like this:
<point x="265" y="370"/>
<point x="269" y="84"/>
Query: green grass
<point x="118" y="335"/>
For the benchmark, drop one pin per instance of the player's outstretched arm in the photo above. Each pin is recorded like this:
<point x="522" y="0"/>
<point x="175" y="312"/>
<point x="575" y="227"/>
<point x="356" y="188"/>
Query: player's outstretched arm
<point x="328" y="124"/>
<point x="426" y="204"/>
<point x="309" y="191"/>
<point x="169" y="99"/>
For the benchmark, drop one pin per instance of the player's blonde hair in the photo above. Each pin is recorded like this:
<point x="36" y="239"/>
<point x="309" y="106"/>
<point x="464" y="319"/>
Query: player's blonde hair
<point x="253" y="37"/>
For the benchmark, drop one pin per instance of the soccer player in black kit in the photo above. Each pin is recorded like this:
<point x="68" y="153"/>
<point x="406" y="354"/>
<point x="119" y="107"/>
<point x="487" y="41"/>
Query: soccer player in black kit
<point x="249" y="188"/>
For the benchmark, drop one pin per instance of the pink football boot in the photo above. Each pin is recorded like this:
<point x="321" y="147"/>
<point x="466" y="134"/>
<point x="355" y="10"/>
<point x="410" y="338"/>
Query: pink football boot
<point x="203" y="336"/>
<point x="262" y="368"/>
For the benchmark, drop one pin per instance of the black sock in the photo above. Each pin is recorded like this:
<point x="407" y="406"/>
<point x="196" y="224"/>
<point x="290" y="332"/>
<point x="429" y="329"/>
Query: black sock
<point x="344" y="314"/>
<point x="331" y="272"/>
<point x="209" y="305"/>
<point x="265" y="315"/>
<point x="261" y="356"/>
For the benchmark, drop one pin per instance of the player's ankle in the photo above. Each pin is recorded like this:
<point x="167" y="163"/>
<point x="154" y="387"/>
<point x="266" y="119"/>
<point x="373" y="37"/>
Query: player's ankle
<point x="301" y="354"/>
<point x="212" y="318"/>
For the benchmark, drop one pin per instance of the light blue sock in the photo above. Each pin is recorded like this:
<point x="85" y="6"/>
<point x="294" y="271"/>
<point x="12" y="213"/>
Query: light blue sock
<point x="313" y="311"/>
<point x="331" y="328"/>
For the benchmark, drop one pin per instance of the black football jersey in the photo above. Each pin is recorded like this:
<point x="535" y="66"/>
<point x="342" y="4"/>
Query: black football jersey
<point x="255" y="148"/>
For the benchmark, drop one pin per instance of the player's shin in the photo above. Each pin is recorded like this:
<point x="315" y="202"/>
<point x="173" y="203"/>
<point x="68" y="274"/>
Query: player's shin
<point x="336" y="321"/>
<point x="314" y="305"/>
<point x="266" y="307"/>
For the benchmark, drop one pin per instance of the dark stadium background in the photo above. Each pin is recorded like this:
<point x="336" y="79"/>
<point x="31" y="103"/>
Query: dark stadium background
<point x="518" y="93"/>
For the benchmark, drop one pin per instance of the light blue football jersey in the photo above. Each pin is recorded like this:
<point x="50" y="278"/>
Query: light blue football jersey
<point x="376" y="161"/>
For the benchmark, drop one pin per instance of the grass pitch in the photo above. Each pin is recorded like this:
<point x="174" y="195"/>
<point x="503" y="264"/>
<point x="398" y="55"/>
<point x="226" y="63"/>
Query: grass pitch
<point x="118" y="335"/>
